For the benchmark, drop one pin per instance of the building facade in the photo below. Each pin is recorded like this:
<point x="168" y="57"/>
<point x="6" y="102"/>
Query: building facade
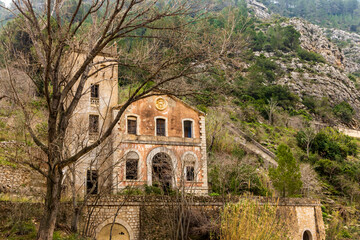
<point x="159" y="141"/>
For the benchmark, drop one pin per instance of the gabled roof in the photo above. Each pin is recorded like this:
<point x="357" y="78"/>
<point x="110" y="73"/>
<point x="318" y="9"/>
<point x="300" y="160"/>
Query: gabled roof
<point x="160" y="93"/>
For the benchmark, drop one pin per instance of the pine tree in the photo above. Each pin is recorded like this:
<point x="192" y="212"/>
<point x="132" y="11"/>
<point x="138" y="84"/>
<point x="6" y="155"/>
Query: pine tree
<point x="286" y="178"/>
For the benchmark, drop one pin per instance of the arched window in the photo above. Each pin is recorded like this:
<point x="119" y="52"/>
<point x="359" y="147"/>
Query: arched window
<point x="307" y="235"/>
<point x="132" y="125"/>
<point x="132" y="161"/>
<point x="189" y="162"/>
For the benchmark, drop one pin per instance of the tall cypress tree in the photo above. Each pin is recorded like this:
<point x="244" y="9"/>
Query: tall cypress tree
<point x="286" y="178"/>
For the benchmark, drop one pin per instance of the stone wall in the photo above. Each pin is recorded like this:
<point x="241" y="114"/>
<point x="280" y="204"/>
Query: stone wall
<point x="17" y="178"/>
<point x="152" y="217"/>
<point x="20" y="180"/>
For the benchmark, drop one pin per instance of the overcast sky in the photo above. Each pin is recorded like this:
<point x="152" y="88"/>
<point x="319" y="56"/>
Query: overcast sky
<point x="7" y="2"/>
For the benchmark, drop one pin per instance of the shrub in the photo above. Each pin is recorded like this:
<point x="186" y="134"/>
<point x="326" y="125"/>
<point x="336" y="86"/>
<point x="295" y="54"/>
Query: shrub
<point x="333" y="145"/>
<point x="250" y="220"/>
<point x="310" y="103"/>
<point x="310" y="56"/>
<point x="344" y="111"/>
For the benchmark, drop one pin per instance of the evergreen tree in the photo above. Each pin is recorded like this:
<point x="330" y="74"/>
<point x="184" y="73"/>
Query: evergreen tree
<point x="286" y="178"/>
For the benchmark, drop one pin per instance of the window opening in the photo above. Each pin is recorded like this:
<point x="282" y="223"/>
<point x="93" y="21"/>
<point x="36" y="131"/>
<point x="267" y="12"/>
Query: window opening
<point x="188" y="129"/>
<point x="132" y="161"/>
<point x="307" y="235"/>
<point x="161" y="171"/>
<point x="132" y="125"/>
<point x="189" y="167"/>
<point x="160" y="127"/>
<point x="92" y="182"/>
<point x="94" y="94"/>
<point x="190" y="173"/>
<point x="94" y="124"/>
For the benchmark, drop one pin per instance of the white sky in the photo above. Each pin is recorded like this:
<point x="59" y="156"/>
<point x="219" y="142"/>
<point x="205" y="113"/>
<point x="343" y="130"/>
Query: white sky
<point x="7" y="2"/>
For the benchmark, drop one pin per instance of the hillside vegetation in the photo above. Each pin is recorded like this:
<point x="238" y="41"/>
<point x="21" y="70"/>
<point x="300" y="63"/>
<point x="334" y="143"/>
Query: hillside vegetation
<point x="342" y="14"/>
<point x="262" y="88"/>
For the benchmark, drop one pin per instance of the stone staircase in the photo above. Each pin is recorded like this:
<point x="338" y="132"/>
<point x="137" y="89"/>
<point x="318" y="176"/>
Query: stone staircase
<point x="252" y="146"/>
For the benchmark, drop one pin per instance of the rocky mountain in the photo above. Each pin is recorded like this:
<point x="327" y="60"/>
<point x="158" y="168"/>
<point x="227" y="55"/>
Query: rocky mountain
<point x="350" y="46"/>
<point x="321" y="80"/>
<point x="316" y="39"/>
<point x="313" y="39"/>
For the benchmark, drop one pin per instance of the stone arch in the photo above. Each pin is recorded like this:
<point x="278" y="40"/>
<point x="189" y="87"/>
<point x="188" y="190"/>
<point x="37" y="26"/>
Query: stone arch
<point x="117" y="221"/>
<point x="150" y="157"/>
<point x="132" y="160"/>
<point x="196" y="163"/>
<point x="307" y="235"/>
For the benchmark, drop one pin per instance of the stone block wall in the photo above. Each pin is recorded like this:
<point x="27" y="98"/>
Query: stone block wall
<point x="114" y="209"/>
<point x="20" y="180"/>
<point x="152" y="217"/>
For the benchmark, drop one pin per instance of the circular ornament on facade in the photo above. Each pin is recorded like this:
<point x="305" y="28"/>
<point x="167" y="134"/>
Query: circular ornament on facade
<point x="161" y="104"/>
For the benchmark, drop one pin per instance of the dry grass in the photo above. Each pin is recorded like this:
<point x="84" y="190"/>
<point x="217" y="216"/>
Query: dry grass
<point x="249" y="219"/>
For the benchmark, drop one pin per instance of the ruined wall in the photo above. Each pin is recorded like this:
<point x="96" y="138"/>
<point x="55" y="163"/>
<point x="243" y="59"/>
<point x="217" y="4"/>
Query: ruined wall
<point x="16" y="178"/>
<point x="152" y="217"/>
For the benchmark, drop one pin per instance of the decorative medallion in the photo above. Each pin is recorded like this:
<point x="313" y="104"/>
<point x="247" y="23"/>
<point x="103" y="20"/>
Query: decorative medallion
<point x="161" y="103"/>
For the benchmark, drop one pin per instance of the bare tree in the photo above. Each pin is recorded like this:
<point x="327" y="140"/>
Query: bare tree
<point x="63" y="59"/>
<point x="311" y="184"/>
<point x="158" y="48"/>
<point x="309" y="135"/>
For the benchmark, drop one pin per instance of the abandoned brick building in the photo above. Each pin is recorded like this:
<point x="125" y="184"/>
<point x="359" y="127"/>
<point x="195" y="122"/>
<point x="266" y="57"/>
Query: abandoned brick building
<point x="159" y="141"/>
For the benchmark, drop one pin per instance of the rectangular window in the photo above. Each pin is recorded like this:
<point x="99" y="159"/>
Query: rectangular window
<point x="188" y="129"/>
<point x="160" y="127"/>
<point x="92" y="182"/>
<point x="93" y="124"/>
<point x="94" y="90"/>
<point x="94" y="100"/>
<point x="131" y="124"/>
<point x="190" y="173"/>
<point x="131" y="169"/>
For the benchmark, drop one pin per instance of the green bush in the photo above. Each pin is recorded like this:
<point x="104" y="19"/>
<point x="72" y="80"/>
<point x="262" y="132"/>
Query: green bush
<point x="344" y="111"/>
<point x="310" y="56"/>
<point x="236" y="180"/>
<point x="276" y="38"/>
<point x="310" y="103"/>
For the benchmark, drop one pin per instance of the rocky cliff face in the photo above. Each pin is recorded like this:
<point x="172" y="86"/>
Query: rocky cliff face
<point x="313" y="39"/>
<point x="350" y="45"/>
<point x="259" y="9"/>
<point x="319" y="80"/>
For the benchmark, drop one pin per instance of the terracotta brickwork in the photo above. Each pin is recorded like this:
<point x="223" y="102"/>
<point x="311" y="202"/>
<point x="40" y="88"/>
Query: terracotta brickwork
<point x="146" y="143"/>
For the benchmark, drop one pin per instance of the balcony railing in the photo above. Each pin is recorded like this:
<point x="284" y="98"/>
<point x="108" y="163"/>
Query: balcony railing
<point x="94" y="101"/>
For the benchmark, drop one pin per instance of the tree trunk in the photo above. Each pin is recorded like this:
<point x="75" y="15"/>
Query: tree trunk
<point x="75" y="220"/>
<point x="308" y="149"/>
<point x="52" y="203"/>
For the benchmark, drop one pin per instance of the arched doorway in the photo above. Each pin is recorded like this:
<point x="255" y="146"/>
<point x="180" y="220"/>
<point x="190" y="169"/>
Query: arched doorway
<point x="118" y="232"/>
<point x="162" y="171"/>
<point x="307" y="235"/>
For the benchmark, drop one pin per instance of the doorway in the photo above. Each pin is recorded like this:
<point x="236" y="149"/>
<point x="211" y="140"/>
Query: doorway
<point x="118" y="232"/>
<point x="162" y="172"/>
